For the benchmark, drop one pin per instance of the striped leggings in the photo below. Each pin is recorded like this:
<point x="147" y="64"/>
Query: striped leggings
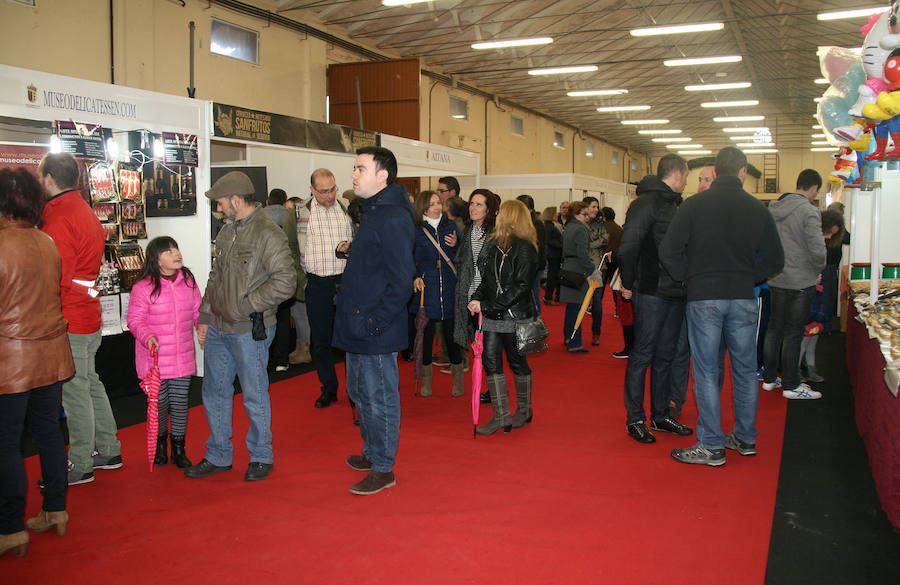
<point x="173" y="395"/>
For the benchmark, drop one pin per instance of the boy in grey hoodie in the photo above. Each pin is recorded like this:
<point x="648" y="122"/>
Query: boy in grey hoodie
<point x="799" y="225"/>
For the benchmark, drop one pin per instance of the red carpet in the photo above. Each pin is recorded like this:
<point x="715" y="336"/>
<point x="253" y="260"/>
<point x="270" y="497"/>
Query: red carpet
<point x="569" y="499"/>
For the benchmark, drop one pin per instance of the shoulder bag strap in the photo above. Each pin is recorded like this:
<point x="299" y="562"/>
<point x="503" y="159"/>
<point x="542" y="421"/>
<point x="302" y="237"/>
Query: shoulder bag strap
<point x="440" y="251"/>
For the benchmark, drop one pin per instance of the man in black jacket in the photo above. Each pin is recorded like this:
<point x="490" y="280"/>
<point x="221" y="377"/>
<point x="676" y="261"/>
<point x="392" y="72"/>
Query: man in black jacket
<point x="528" y="200"/>
<point x="721" y="243"/>
<point x="658" y="299"/>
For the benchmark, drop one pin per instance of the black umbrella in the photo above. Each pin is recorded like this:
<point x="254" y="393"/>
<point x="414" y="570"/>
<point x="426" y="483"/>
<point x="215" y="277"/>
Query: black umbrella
<point x="421" y="321"/>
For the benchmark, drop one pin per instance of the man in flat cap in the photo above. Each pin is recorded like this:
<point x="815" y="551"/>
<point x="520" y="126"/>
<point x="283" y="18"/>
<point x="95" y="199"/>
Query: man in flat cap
<point x="251" y="275"/>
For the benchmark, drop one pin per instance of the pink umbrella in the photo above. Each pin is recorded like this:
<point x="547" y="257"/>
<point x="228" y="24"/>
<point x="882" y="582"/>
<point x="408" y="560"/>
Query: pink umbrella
<point x="477" y="350"/>
<point x="150" y="386"/>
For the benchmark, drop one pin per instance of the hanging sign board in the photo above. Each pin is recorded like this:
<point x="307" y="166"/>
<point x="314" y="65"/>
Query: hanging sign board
<point x="83" y="141"/>
<point x="180" y="149"/>
<point x="256" y="126"/>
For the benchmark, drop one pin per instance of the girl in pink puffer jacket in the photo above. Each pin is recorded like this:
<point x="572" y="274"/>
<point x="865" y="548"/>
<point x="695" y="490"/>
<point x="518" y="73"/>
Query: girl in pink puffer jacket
<point x="162" y="315"/>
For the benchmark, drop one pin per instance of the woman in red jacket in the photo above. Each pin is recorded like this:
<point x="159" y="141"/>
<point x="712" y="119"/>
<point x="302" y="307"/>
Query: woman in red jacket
<point x="162" y="315"/>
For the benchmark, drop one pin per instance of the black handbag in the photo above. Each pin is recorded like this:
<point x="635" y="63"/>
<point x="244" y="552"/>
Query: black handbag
<point x="530" y="336"/>
<point x="571" y="279"/>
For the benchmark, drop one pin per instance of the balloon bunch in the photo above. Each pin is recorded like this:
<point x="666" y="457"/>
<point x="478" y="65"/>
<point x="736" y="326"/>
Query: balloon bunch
<point x="864" y="97"/>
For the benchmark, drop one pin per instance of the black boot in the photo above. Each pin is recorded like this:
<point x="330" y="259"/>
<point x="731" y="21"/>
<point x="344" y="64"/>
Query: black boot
<point x="161" y="458"/>
<point x="178" y="455"/>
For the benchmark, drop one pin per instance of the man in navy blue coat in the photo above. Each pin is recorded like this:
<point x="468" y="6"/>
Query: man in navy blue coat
<point x="370" y="323"/>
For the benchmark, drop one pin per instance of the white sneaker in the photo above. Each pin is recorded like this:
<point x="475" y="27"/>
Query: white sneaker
<point x="802" y="392"/>
<point x="281" y="368"/>
<point x="767" y="386"/>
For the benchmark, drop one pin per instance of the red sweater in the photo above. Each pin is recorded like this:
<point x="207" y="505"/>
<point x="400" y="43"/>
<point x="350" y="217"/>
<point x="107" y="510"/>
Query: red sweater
<point x="80" y="241"/>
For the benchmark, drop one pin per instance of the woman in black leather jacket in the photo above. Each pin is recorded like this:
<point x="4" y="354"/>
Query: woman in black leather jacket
<point x="504" y="297"/>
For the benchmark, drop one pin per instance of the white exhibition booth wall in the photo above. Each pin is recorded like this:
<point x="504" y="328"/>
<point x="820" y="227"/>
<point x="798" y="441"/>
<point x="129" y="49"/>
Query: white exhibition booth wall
<point x="119" y="108"/>
<point x="550" y="189"/>
<point x="289" y="167"/>
<point x="873" y="217"/>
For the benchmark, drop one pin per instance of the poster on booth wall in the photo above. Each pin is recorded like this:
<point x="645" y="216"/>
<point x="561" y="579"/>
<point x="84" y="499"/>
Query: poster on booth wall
<point x="84" y="141"/>
<point x="169" y="190"/>
<point x="13" y="156"/>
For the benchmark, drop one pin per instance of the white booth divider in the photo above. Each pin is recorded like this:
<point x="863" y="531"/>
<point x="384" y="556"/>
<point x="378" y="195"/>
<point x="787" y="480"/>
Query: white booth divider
<point x="34" y="95"/>
<point x="873" y="215"/>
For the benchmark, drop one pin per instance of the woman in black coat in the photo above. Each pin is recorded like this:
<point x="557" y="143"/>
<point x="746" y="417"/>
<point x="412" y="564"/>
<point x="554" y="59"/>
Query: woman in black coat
<point x="504" y="298"/>
<point x="554" y="233"/>
<point x="576" y="258"/>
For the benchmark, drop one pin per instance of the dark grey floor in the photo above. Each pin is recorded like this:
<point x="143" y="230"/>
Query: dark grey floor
<point x="829" y="528"/>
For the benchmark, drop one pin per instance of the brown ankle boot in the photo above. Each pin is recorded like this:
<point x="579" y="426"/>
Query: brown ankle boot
<point x="47" y="520"/>
<point x="17" y="541"/>
<point x="300" y="355"/>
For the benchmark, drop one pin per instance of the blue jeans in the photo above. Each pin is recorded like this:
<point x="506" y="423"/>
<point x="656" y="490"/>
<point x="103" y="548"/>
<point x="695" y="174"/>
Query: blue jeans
<point x="597" y="310"/>
<point x="569" y="324"/>
<point x="320" y="292"/>
<point x="227" y="354"/>
<point x="657" y="323"/>
<point x="372" y="383"/>
<point x="681" y="366"/>
<point x="708" y="321"/>
<point x="790" y="311"/>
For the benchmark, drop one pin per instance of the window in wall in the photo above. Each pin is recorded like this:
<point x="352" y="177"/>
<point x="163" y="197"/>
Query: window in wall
<point x="615" y="157"/>
<point x="559" y="139"/>
<point x="589" y="149"/>
<point x="25" y="2"/>
<point x="234" y="41"/>
<point x="634" y="164"/>
<point x="517" y="125"/>
<point x="459" y="108"/>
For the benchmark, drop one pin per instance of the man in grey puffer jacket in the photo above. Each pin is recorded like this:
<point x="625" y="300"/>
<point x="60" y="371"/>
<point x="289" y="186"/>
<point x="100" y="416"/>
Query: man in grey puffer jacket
<point x="800" y="228"/>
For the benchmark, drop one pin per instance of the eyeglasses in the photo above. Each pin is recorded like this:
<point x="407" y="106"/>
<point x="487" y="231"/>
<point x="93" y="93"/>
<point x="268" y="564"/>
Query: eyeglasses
<point x="442" y="190"/>
<point x="331" y="191"/>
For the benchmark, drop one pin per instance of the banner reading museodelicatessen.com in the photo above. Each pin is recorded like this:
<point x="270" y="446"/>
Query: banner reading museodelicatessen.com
<point x="254" y="125"/>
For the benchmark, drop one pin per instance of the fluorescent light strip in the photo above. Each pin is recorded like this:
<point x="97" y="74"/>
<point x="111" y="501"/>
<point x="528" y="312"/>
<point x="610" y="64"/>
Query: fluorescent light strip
<point x="820" y="143"/>
<point x="739" y="119"/>
<point x="512" y="43"/>
<point x="694" y="152"/>
<point x="678" y="29"/>
<point x="593" y="92"/>
<point x="561" y="70"/>
<point x="754" y="144"/>
<point x="684" y="146"/>
<point x="637" y="122"/>
<point x="717" y="86"/>
<point x="821" y="149"/>
<point x="818" y="99"/>
<point x="817" y="127"/>
<point x="673" y="139"/>
<point x="745" y="138"/>
<point x="818" y="136"/>
<point x="821" y="81"/>
<point x="761" y="151"/>
<point x="702" y="61"/>
<point x="734" y="104"/>
<point x="748" y="129"/>
<point x="851" y="13"/>
<point x="672" y="131"/>
<point x="623" y="108"/>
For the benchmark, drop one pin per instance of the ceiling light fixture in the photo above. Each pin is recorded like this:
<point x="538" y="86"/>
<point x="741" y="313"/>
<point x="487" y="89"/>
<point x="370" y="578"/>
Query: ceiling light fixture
<point x="684" y="146"/>
<point x="734" y="104"/>
<point x="819" y="135"/>
<point x="672" y="131"/>
<point x="677" y="29"/>
<point x="858" y="12"/>
<point x="739" y="118"/>
<point x="822" y="81"/>
<point x="593" y="92"/>
<point x="561" y="70"/>
<point x="717" y="86"/>
<point x="673" y="139"/>
<point x="512" y="43"/>
<point x="623" y="108"/>
<point x="818" y="99"/>
<point x="754" y="144"/>
<point x="694" y="152"/>
<point x="761" y="151"/>
<point x="822" y="149"/>
<point x="820" y="143"/>
<point x="817" y="127"/>
<point x="702" y="61"/>
<point x="745" y="138"/>
<point x="637" y="122"/>
<point x="748" y="129"/>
